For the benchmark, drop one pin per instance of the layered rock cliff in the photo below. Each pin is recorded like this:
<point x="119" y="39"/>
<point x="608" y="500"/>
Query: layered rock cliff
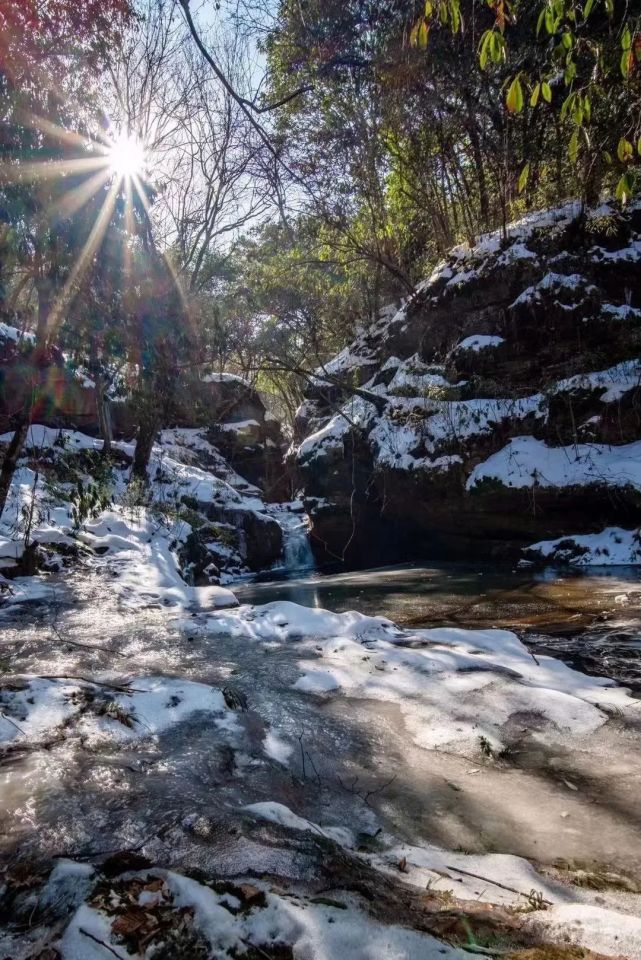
<point x="498" y="407"/>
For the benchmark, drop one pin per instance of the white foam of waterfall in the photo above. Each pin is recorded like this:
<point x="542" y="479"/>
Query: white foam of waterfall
<point x="297" y="549"/>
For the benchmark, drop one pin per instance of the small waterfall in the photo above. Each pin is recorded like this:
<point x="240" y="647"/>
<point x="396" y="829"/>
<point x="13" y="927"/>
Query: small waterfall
<point x="297" y="549"/>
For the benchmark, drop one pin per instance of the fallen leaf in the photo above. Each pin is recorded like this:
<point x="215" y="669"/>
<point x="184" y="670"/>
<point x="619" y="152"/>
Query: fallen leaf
<point x="154" y="885"/>
<point x="134" y="921"/>
<point x="251" y="894"/>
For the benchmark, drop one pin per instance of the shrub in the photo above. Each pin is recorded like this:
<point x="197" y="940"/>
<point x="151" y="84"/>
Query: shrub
<point x="88" y="501"/>
<point x="135" y="497"/>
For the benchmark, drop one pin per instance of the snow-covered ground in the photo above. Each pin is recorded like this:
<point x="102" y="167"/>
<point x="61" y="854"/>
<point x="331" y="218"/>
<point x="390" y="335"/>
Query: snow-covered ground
<point x="462" y="697"/>
<point x="231" y="921"/>
<point x="575" y="917"/>
<point x="266" y="921"/>
<point x="38" y="707"/>
<point x="136" y="536"/>
<point x="455" y="688"/>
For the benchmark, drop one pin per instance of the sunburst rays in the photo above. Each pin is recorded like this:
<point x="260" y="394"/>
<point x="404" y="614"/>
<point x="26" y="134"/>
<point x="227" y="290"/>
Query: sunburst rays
<point x="114" y="165"/>
<point x="86" y="255"/>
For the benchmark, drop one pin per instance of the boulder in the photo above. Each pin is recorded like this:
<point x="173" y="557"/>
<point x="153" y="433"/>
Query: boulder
<point x="263" y="541"/>
<point x="260" y="538"/>
<point x="203" y="398"/>
<point x="240" y="427"/>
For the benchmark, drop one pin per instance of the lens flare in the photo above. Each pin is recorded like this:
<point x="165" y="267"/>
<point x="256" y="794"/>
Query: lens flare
<point x="112" y="165"/>
<point x="126" y="156"/>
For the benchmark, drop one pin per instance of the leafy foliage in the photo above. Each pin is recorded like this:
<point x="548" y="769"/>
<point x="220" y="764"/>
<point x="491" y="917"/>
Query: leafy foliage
<point x="586" y="58"/>
<point x="88" y="500"/>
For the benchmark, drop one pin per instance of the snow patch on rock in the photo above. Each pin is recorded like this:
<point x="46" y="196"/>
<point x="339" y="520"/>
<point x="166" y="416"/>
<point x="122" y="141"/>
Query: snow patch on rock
<point x="527" y="462"/>
<point x="611" y="547"/>
<point x="480" y="341"/>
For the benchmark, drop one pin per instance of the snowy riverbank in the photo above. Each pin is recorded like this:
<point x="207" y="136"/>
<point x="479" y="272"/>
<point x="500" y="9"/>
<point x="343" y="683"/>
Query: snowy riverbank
<point x="304" y="783"/>
<point x="210" y="779"/>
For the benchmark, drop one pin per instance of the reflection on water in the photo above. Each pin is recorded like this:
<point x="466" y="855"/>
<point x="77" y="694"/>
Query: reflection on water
<point x="390" y="591"/>
<point x="483" y="594"/>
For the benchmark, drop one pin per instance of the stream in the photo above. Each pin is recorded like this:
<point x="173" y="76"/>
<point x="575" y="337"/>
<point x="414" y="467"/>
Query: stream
<point x="344" y="761"/>
<point x="591" y="619"/>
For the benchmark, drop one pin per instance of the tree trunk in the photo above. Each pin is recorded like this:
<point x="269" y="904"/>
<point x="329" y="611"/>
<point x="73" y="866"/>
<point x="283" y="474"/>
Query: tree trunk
<point x="43" y="287"/>
<point x="11" y="458"/>
<point x="23" y="419"/>
<point x="144" y="443"/>
<point x="477" y="153"/>
<point x="103" y="414"/>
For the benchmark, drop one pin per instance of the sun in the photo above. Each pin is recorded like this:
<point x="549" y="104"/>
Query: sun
<point x="127" y="156"/>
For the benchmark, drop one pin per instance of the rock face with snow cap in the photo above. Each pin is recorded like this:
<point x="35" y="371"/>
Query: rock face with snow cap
<point x="239" y="425"/>
<point x="499" y="406"/>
